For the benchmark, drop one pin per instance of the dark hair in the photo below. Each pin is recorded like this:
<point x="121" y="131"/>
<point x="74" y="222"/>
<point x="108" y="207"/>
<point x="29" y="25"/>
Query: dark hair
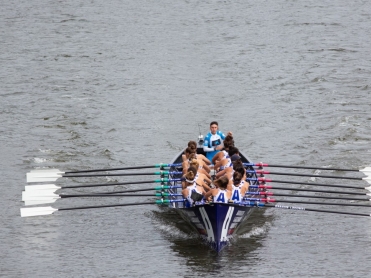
<point x="214" y="123"/>
<point x="192" y="156"/>
<point x="238" y="167"/>
<point x="237" y="176"/>
<point x="190" y="175"/>
<point x="189" y="150"/>
<point x="193" y="170"/>
<point x="192" y="144"/>
<point x="228" y="142"/>
<point x="222" y="182"/>
<point x="232" y="150"/>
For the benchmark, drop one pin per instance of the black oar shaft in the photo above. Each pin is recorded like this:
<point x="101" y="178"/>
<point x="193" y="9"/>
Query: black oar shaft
<point x="313" y="190"/>
<point x="107" y="206"/>
<point x="108" y="184"/>
<point x="319" y="184"/>
<point x="105" y="195"/>
<point x="112" y="175"/>
<point x="309" y="167"/>
<point x="308" y="175"/>
<point x="111" y="169"/>
<point x="317" y="210"/>
<point x="322" y="203"/>
<point x="323" y="197"/>
<point x="158" y="173"/>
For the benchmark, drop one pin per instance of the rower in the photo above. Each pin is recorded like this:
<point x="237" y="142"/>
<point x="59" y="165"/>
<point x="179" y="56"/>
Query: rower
<point x="193" y="192"/>
<point x="239" y="187"/>
<point x="189" y="155"/>
<point x="227" y="161"/>
<point x="228" y="171"/>
<point x="220" y="194"/>
<point x="227" y="143"/>
<point x="201" y="178"/>
<point x="193" y="146"/>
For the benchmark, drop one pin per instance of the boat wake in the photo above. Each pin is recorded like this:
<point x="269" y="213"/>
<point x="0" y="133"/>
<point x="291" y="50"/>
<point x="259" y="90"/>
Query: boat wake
<point x="170" y="226"/>
<point x="256" y="231"/>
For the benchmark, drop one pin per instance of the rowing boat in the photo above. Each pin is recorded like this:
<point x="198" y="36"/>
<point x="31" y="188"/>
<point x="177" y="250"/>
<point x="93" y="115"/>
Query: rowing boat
<point x="216" y="223"/>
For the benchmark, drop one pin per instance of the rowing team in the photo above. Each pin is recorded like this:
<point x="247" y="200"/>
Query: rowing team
<point x="230" y="185"/>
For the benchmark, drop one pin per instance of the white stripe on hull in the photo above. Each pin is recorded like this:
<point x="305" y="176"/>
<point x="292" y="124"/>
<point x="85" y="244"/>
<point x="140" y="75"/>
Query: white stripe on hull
<point x="227" y="220"/>
<point x="209" y="228"/>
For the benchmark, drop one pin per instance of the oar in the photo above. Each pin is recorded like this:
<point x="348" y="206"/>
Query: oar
<point x="307" y="209"/>
<point x="271" y="200"/>
<point x="55" y="187"/>
<point x="264" y="180"/>
<point x="31" y="199"/>
<point x="35" y="211"/>
<point x="368" y="178"/>
<point x="366" y="170"/>
<point x="47" y="176"/>
<point x="307" y="190"/>
<point x="308" y="196"/>
<point x="159" y="165"/>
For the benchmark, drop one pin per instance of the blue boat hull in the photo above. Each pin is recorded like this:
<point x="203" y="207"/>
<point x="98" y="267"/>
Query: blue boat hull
<point x="216" y="223"/>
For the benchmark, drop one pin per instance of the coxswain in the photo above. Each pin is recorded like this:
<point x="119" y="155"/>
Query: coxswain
<point x="213" y="140"/>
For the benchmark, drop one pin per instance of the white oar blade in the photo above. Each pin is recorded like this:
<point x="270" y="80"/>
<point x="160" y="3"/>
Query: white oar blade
<point x="26" y="212"/>
<point x="41" y="187"/>
<point x="43" y="176"/>
<point x="37" y="201"/>
<point x="45" y="171"/>
<point x="38" y="193"/>
<point x="366" y="171"/>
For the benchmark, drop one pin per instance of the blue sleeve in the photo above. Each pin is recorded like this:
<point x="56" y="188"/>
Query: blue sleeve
<point x="206" y="143"/>
<point x="221" y="134"/>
